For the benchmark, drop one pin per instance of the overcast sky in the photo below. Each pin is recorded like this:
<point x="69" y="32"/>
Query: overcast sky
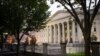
<point x="57" y="6"/>
<point x="54" y="7"/>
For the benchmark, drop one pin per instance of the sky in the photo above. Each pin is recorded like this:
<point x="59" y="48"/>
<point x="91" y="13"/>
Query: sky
<point x="57" y="6"/>
<point x="54" y="7"/>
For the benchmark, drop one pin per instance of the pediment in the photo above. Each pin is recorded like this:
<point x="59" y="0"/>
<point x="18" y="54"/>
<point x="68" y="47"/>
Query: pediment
<point x="58" y="15"/>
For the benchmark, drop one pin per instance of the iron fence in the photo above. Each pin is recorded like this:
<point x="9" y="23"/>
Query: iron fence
<point x="72" y="49"/>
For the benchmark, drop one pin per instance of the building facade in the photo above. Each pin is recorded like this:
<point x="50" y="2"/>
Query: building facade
<point x="61" y="27"/>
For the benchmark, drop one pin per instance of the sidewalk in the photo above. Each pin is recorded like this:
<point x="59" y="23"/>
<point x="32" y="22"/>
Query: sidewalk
<point x="36" y="54"/>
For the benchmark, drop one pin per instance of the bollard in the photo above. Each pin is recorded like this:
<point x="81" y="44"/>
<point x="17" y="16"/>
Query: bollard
<point x="63" y="49"/>
<point x="33" y="48"/>
<point x="95" y="48"/>
<point x="45" y="49"/>
<point x="24" y="46"/>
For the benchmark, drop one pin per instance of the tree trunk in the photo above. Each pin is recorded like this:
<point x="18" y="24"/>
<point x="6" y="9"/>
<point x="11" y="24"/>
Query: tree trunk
<point x="87" y="44"/>
<point x="2" y="42"/>
<point x="87" y="49"/>
<point x="18" y="48"/>
<point x="18" y="41"/>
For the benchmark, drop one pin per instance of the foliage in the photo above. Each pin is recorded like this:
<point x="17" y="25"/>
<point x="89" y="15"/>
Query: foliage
<point x="22" y="15"/>
<point x="93" y="38"/>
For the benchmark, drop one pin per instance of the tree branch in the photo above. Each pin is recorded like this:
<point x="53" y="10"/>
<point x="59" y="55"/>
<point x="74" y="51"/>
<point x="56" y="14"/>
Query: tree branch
<point x="95" y="2"/>
<point x="76" y="16"/>
<point x="95" y="11"/>
<point x="88" y="14"/>
<point x="89" y="6"/>
<point x="21" y="36"/>
<point x="67" y="9"/>
<point x="73" y="13"/>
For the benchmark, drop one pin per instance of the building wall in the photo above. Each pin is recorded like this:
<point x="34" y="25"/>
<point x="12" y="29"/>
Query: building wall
<point x="61" y="27"/>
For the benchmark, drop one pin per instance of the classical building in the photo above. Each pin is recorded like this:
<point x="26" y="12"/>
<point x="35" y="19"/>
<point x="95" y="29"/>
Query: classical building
<point x="61" y="27"/>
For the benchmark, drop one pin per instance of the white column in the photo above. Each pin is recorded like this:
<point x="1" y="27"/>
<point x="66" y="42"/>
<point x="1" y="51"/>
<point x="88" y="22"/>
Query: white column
<point x="92" y="29"/>
<point x="51" y="34"/>
<point x="46" y="39"/>
<point x="73" y="32"/>
<point x="54" y="34"/>
<point x="68" y="32"/>
<point x="79" y="34"/>
<point x="56" y="31"/>
<point x="63" y="33"/>
<point x="59" y="35"/>
<point x="44" y="35"/>
<point x="48" y="33"/>
<point x="97" y="30"/>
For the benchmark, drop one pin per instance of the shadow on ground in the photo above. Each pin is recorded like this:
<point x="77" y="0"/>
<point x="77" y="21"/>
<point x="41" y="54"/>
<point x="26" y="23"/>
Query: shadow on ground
<point x="25" y="54"/>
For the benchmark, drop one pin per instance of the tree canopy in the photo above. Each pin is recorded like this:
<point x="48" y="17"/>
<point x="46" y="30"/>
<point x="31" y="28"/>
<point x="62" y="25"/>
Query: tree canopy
<point x="22" y="15"/>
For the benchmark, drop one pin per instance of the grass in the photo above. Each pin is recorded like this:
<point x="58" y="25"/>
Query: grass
<point x="76" y="54"/>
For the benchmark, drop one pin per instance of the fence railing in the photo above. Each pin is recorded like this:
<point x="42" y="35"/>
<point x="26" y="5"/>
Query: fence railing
<point x="70" y="49"/>
<point x="55" y="49"/>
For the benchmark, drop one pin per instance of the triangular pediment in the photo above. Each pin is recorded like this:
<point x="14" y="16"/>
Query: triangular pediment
<point x="58" y="15"/>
